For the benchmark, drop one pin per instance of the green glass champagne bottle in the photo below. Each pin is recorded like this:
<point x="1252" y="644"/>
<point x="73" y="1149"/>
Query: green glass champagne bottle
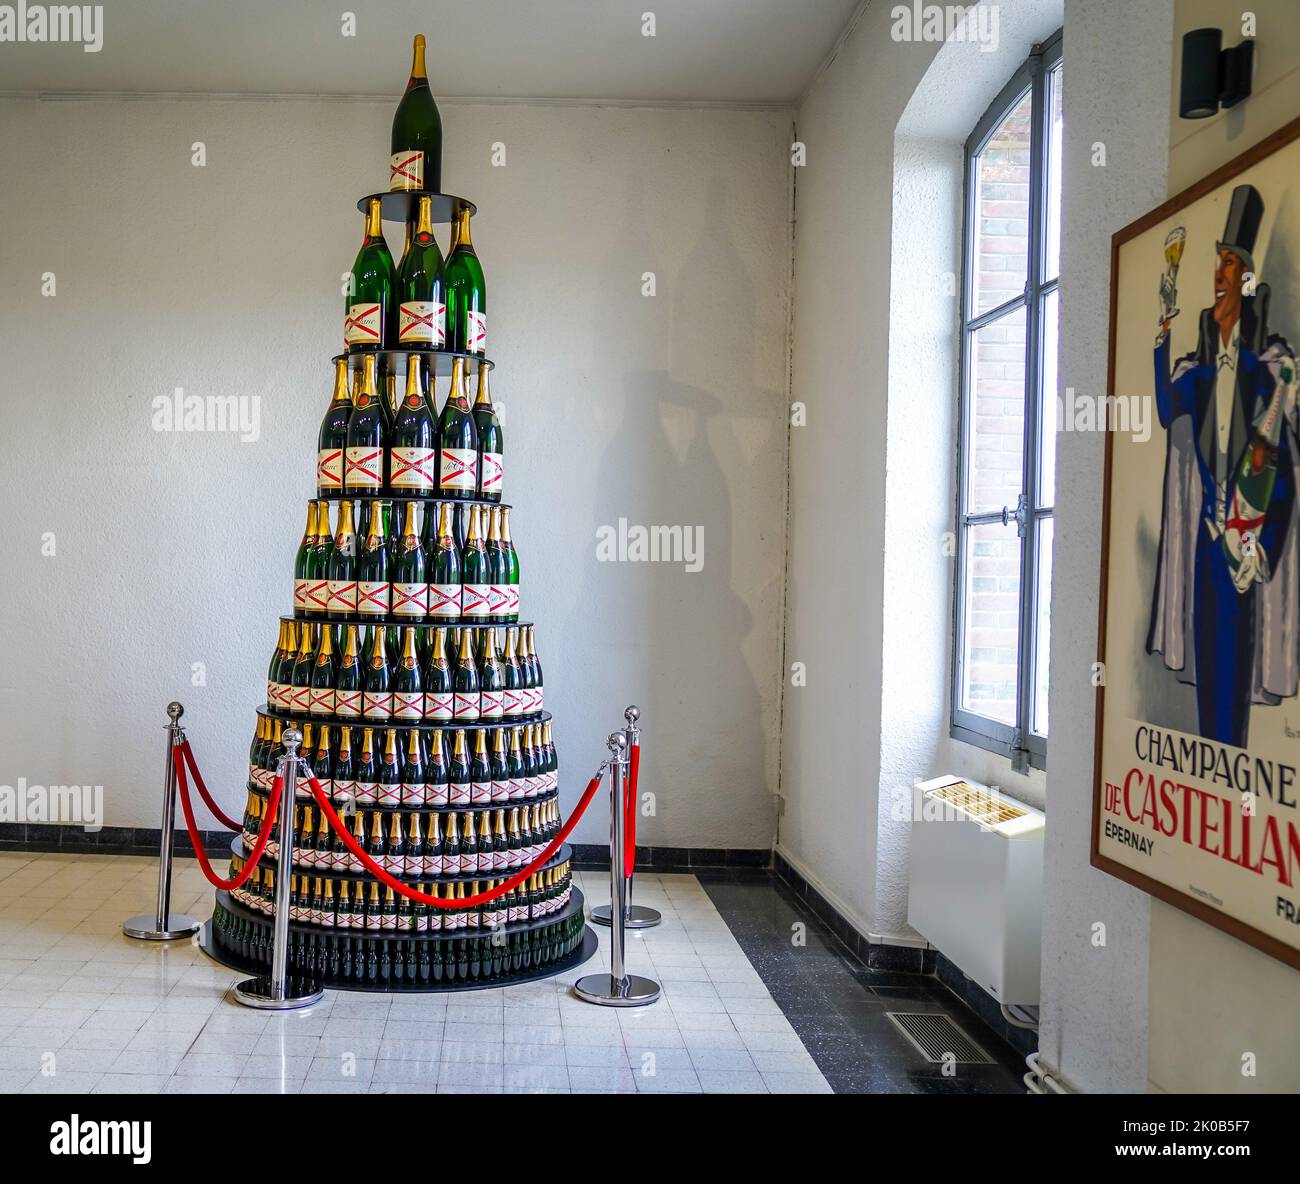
<point x="343" y="567"/>
<point x="348" y="686"/>
<point x="316" y="591"/>
<point x="408" y="682"/>
<point x="457" y="441"/>
<point x="416" y="143"/>
<point x="513" y="706"/>
<point x="324" y="675"/>
<point x="465" y="683"/>
<point x="370" y="288"/>
<point x="436" y="773"/>
<point x="412" y="792"/>
<point x="388" y="790"/>
<point x="377" y="686"/>
<point x="492" y="680"/>
<point x="368" y="432"/>
<point x="413" y="455"/>
<point x="410" y="585"/>
<point x="491" y="442"/>
<point x="444" y="570"/>
<point x="498" y="568"/>
<point x="419" y="304"/>
<point x="333" y="436"/>
<point x="512" y="567"/>
<point x="438" y="690"/>
<point x="475" y="573"/>
<point x="465" y="291"/>
<point x="303" y="666"/>
<point x="374" y="591"/>
<point x="302" y="560"/>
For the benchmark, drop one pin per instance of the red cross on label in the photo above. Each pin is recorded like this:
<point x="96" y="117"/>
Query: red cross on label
<point x="329" y="468"/>
<point x="406" y="171"/>
<point x="412" y="461"/>
<point x="348" y="703"/>
<point x="355" y="326"/>
<point x="444" y="600"/>
<point x="342" y="595"/>
<point x="409" y="604"/>
<point x="493" y="471"/>
<point x="362" y="469"/>
<point x="317" y="595"/>
<point x="476" y="599"/>
<point x="372" y="598"/>
<point x="418" y="326"/>
<point x="458" y="472"/>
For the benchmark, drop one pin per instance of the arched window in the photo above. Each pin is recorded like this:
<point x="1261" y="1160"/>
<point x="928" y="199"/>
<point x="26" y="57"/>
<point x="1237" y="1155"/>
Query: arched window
<point x="1006" y="478"/>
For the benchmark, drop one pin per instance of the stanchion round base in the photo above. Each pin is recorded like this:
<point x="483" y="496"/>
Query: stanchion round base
<point x="605" y="989"/>
<point x="636" y="916"/>
<point x="145" y="927"/>
<point x="298" y="992"/>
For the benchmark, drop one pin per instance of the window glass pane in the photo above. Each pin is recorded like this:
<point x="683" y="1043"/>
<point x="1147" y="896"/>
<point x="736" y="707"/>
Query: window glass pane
<point x="996" y="414"/>
<point x="992" y="620"/>
<point x="1042" y="623"/>
<point x="1052" y="255"/>
<point x="1048" y="404"/>
<point x="1000" y="237"/>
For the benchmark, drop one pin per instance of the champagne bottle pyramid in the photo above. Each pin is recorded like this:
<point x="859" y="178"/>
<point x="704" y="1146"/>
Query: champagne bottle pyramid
<point x="403" y="663"/>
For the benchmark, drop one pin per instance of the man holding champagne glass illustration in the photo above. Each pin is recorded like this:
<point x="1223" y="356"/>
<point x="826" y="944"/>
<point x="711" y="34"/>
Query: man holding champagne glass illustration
<point x="1224" y="609"/>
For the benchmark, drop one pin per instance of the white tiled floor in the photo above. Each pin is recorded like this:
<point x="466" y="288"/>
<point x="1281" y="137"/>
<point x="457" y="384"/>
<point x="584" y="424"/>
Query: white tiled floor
<point x="85" y="1010"/>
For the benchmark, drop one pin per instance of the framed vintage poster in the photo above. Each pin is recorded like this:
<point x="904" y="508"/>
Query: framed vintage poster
<point x="1197" y="792"/>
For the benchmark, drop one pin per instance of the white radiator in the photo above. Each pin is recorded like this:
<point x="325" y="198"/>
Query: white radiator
<point x="975" y="885"/>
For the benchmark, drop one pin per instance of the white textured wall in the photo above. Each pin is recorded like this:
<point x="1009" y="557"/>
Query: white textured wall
<point x="1195" y="968"/>
<point x="177" y="548"/>
<point x="1117" y="57"/>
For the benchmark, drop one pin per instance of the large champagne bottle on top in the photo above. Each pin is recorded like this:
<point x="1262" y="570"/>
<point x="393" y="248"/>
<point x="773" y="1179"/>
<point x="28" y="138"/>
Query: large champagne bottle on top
<point x="333" y="438"/>
<point x="491" y="443"/>
<point x="466" y="292"/>
<point x="370" y="288"/>
<point x="413" y="457"/>
<point x="416" y="145"/>
<point x="368" y="432"/>
<point x="457" y="441"/>
<point x="419" y="304"/>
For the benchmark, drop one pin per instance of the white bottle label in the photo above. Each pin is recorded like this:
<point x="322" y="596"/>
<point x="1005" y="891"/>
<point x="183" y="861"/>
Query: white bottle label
<point x="406" y="170"/>
<point x="322" y="701"/>
<point x="512" y="603"/>
<point x="300" y="700"/>
<point x="329" y="468"/>
<point x="422" y="322"/>
<point x="343" y="596"/>
<point x="364" y="324"/>
<point x="500" y="791"/>
<point x="458" y="470"/>
<point x="498" y="598"/>
<point x="411" y="600"/>
<point x="476" y="600"/>
<point x="347" y="704"/>
<point x="365" y="468"/>
<point x="458" y="793"/>
<point x="475" y="331"/>
<point x="377" y="704"/>
<point x="408" y="705"/>
<point x="439" y="705"/>
<point x="372" y="598"/>
<point x="439" y="794"/>
<point x="465" y="706"/>
<point x="413" y="468"/>
<point x="444" y="600"/>
<point x="299" y="595"/>
<point x="492" y="704"/>
<point x="388" y="794"/>
<point x="493" y="471"/>
<point x="510" y="705"/>
<point x="480" y="793"/>
<point x="316" y="596"/>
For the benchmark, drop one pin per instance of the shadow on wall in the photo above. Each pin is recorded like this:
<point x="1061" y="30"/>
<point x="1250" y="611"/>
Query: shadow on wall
<point x="672" y="624"/>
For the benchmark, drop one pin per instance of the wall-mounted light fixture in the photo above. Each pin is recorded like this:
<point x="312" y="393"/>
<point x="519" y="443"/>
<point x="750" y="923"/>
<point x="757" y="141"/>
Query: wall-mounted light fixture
<point x="1213" y="76"/>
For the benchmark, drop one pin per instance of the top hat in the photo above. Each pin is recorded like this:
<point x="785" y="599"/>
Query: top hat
<point x="1244" y="216"/>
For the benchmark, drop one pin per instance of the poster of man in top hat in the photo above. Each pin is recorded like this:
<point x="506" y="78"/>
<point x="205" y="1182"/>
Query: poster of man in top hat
<point x="1225" y="607"/>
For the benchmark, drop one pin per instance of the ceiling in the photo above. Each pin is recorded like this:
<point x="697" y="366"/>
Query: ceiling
<point x="704" y="51"/>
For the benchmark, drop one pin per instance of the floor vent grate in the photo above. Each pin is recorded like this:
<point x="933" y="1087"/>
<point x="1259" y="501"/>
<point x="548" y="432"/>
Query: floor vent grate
<point x="936" y="1037"/>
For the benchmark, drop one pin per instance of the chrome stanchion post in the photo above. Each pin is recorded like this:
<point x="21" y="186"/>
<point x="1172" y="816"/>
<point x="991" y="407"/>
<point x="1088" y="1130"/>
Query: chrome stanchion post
<point x="279" y="992"/>
<point x="635" y="916"/>
<point x="618" y="988"/>
<point x="162" y="924"/>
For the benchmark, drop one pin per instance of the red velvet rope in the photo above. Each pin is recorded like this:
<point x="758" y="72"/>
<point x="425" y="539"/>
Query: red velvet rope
<point x="212" y="806"/>
<point x="629" y="814"/>
<point x="440" y="902"/>
<point x="263" y="836"/>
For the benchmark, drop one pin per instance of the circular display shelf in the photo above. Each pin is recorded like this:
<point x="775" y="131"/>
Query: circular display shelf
<point x="240" y="848"/>
<point x="586" y="950"/>
<point x="476" y="808"/>
<point x="407" y="496"/>
<point x="539" y="717"/>
<point x="399" y="205"/>
<point x="394" y="361"/>
<point x="396" y="622"/>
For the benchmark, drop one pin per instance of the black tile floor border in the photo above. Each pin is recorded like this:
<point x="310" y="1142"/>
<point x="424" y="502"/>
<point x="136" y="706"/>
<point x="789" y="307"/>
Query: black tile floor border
<point x="837" y="1004"/>
<point x="108" y="840"/>
<point x="595" y="857"/>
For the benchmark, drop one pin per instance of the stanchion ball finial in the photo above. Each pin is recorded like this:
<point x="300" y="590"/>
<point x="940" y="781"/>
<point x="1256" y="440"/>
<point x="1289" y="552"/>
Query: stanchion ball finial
<point x="174" y="711"/>
<point x="290" y="738"/>
<point x="632" y="714"/>
<point x="617" y="742"/>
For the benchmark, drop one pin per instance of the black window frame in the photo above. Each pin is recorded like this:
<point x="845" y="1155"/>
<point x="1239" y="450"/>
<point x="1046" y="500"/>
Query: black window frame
<point x="1025" y="747"/>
